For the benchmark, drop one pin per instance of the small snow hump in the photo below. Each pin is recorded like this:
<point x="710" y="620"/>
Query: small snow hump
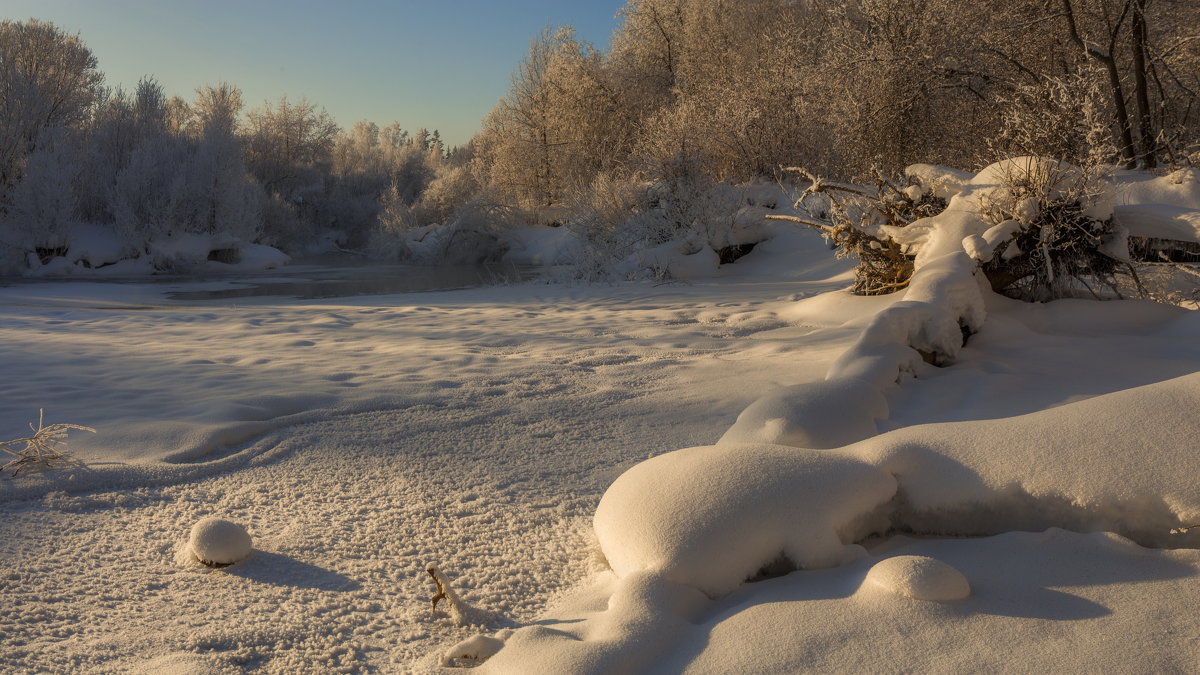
<point x="919" y="577"/>
<point x="218" y="543"/>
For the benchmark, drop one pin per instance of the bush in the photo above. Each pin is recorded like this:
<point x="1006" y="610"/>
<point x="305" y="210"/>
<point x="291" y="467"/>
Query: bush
<point x="40" y="451"/>
<point x="852" y="218"/>
<point x="1053" y="231"/>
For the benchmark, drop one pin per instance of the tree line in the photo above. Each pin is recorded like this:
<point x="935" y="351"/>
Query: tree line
<point x="690" y="92"/>
<point x="744" y="87"/>
<point x="145" y="165"/>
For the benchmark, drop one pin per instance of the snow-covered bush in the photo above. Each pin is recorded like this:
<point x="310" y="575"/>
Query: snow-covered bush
<point x="599" y="215"/>
<point x="1051" y="230"/>
<point x="852" y="218"/>
<point x="681" y="226"/>
<point x="42" y="210"/>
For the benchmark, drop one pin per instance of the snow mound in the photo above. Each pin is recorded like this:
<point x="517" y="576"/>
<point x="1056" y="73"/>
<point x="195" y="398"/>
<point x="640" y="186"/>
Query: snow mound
<point x="260" y="257"/>
<point x="1075" y="466"/>
<point x="819" y="415"/>
<point x="919" y="577"/>
<point x="217" y="542"/>
<point x="943" y="304"/>
<point x="611" y="640"/>
<point x="712" y="517"/>
<point x="95" y="245"/>
<point x="681" y="259"/>
<point x="1179" y="188"/>
<point x="1159" y="221"/>
<point x="474" y="649"/>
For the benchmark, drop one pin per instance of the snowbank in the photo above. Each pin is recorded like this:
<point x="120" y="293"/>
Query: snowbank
<point x="1075" y="466"/>
<point x="942" y="305"/>
<point x="711" y="517"/>
<point x="1178" y="188"/>
<point x="97" y="250"/>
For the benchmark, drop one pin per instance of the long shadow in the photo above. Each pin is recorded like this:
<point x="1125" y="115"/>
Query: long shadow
<point x="1024" y="575"/>
<point x="279" y="570"/>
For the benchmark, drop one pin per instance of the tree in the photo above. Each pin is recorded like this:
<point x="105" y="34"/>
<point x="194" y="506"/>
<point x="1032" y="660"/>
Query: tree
<point x="48" y="78"/>
<point x="217" y="107"/>
<point x="289" y="148"/>
<point x="286" y="138"/>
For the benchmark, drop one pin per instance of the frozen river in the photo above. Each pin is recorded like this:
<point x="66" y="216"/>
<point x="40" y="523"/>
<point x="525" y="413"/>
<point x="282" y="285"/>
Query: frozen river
<point x="308" y="280"/>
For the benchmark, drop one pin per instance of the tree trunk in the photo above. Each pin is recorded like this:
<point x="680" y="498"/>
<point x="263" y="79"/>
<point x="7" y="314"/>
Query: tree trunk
<point x="1141" y="86"/>
<point x="1106" y="58"/>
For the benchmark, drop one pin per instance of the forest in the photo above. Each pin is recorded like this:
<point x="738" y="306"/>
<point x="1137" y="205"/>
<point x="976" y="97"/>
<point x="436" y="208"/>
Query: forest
<point x="650" y="141"/>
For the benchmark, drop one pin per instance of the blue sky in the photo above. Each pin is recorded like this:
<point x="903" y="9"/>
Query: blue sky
<point x="439" y="64"/>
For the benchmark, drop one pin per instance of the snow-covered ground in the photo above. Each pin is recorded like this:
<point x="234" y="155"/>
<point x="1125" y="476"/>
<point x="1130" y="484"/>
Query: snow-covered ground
<point x="358" y="440"/>
<point x="361" y="439"/>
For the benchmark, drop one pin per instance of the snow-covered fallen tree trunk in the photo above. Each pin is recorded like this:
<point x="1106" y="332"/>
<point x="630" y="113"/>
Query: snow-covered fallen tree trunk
<point x="942" y="306"/>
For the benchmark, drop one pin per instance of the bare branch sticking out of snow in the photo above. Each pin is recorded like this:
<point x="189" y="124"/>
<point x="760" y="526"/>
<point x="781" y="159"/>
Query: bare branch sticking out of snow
<point x="461" y="612"/>
<point x="41" y="451"/>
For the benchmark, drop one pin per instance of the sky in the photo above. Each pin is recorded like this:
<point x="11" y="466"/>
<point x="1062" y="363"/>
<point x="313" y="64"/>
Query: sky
<point x="439" y="65"/>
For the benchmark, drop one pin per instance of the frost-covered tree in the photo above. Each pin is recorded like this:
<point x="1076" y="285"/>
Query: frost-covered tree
<point x="48" y="78"/>
<point x="288" y="152"/>
<point x="521" y="136"/>
<point x="43" y="204"/>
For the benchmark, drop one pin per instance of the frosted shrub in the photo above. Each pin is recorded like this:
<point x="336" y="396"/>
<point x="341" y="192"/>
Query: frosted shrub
<point x="41" y="450"/>
<point x="624" y="221"/>
<point x="606" y="216"/>
<point x="1063" y="117"/>
<point x="1051" y="233"/>
<point x="453" y="188"/>
<point x="852" y="218"/>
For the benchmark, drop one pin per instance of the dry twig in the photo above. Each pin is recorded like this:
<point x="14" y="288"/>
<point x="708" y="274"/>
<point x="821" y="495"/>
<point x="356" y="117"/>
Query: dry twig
<point x="41" y="449"/>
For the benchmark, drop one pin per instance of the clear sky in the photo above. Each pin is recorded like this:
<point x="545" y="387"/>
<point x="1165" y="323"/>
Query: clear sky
<point x="439" y="64"/>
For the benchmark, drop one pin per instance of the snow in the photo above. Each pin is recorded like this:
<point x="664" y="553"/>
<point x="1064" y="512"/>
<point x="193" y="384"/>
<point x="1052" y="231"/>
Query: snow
<point x="964" y="224"/>
<point x="919" y="577"/>
<point x="541" y="245"/>
<point x="711" y="517"/>
<point x="1178" y="188"/>
<point x="98" y="251"/>
<point x="941" y="181"/>
<point x="1084" y="470"/>
<point x="681" y="259"/>
<point x="95" y="245"/>
<point x="524" y="441"/>
<point x="215" y="542"/>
